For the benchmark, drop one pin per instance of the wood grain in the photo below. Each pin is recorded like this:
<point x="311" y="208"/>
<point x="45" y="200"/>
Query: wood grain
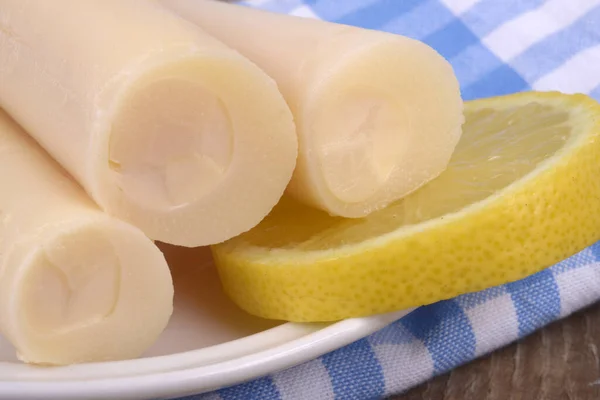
<point x="555" y="363"/>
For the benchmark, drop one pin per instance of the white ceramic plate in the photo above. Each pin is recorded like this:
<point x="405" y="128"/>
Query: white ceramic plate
<point x="208" y="344"/>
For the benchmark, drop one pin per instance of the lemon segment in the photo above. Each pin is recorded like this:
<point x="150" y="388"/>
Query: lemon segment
<point x="521" y="192"/>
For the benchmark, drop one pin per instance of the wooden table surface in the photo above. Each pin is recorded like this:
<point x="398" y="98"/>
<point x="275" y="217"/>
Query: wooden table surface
<point x="555" y="363"/>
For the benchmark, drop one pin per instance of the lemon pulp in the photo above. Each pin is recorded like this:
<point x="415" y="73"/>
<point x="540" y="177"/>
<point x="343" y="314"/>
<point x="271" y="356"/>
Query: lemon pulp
<point x="521" y="192"/>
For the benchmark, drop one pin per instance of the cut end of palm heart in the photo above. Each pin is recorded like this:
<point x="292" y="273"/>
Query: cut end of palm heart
<point x="521" y="192"/>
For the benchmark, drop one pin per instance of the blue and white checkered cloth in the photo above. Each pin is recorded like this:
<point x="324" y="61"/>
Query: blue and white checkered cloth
<point x="496" y="47"/>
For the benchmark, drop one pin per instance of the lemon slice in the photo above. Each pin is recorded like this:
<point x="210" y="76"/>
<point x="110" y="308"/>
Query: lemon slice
<point x="522" y="192"/>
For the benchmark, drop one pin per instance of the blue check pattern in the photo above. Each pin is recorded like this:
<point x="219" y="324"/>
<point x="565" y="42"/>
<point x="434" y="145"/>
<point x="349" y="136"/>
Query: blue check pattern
<point x="496" y="47"/>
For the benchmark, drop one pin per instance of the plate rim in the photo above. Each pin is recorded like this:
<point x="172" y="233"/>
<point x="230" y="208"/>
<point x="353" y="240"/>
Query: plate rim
<point x="162" y="363"/>
<point x="202" y="378"/>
